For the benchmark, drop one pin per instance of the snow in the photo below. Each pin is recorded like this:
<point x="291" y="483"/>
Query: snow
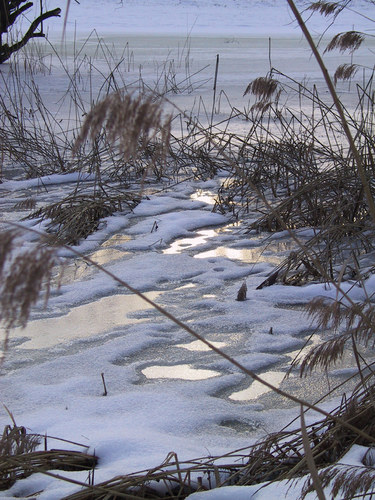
<point x="47" y="180"/>
<point x="51" y="379"/>
<point x="280" y="489"/>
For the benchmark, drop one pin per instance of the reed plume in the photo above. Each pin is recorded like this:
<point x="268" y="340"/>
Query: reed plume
<point x="130" y="121"/>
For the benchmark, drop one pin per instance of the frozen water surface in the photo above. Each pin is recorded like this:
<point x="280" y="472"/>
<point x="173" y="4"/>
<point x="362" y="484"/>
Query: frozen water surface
<point x="166" y="391"/>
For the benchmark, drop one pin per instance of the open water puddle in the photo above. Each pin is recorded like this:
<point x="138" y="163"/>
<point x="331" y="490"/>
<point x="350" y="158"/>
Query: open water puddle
<point x="116" y="239"/>
<point x="80" y="269"/>
<point x="204" y="196"/>
<point x="87" y="320"/>
<point x="107" y="255"/>
<point x="256" y="389"/>
<point x="184" y="372"/>
<point x="274" y="255"/>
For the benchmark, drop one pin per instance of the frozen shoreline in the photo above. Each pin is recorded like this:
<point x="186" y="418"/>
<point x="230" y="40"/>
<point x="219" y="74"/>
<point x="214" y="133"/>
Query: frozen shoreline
<point x="59" y="391"/>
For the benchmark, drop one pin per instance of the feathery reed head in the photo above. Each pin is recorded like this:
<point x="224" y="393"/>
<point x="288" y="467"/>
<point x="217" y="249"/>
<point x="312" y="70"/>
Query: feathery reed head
<point x="325" y="8"/>
<point x="23" y="274"/>
<point x="263" y="87"/>
<point x="127" y="119"/>
<point x="345" y="72"/>
<point x="350" y="40"/>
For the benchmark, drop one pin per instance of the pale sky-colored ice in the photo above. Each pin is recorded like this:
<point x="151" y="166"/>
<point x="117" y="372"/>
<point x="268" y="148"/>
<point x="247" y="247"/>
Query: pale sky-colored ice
<point x="56" y="388"/>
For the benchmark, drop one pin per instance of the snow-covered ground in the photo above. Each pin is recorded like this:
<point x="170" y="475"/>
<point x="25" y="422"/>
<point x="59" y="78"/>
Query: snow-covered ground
<point x="165" y="391"/>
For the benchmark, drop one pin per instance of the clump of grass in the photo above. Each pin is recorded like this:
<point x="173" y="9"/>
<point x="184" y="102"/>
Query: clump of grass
<point x="19" y="458"/>
<point x="77" y="216"/>
<point x="297" y="171"/>
<point x="16" y="441"/>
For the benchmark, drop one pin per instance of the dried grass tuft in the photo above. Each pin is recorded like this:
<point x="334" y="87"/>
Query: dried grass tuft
<point x="16" y="441"/>
<point x="25" y="274"/>
<point x="78" y="216"/>
<point x="345" y="72"/>
<point x="127" y="119"/>
<point x="263" y="87"/>
<point x="18" y="458"/>
<point x="350" y="40"/>
<point x="325" y="8"/>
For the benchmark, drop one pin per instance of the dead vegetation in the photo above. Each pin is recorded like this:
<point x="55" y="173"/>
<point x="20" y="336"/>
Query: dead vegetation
<point x="295" y="169"/>
<point x="24" y="276"/>
<point x="19" y="458"/>
<point x="76" y="217"/>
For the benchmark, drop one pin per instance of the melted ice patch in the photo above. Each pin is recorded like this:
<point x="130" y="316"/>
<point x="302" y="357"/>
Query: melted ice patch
<point x="197" y="345"/>
<point x="256" y="389"/>
<point x="184" y="372"/>
<point x="87" y="320"/>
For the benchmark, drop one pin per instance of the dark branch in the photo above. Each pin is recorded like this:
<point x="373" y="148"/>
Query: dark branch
<point x="6" y="51"/>
<point x="13" y="16"/>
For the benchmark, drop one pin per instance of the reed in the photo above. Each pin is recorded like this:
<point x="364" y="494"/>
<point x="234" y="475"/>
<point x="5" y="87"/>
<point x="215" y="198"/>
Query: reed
<point x="299" y="179"/>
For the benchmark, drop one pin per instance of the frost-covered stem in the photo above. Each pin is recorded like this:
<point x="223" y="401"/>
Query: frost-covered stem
<point x="336" y="100"/>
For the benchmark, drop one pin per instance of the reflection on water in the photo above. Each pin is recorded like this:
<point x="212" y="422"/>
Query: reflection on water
<point x="299" y="355"/>
<point x="83" y="321"/>
<point x="116" y="239"/>
<point x="249" y="255"/>
<point x="205" y="196"/>
<point x="107" y="255"/>
<point x="185" y="372"/>
<point x="256" y="389"/>
<point x="186" y="243"/>
<point x="80" y="269"/>
<point x="197" y="345"/>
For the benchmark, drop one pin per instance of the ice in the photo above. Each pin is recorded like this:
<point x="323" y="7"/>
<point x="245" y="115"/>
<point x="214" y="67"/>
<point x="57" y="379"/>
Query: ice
<point x="169" y="247"/>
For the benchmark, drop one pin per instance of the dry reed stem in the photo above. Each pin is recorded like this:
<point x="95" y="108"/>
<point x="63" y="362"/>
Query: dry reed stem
<point x="336" y="100"/>
<point x="310" y="459"/>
